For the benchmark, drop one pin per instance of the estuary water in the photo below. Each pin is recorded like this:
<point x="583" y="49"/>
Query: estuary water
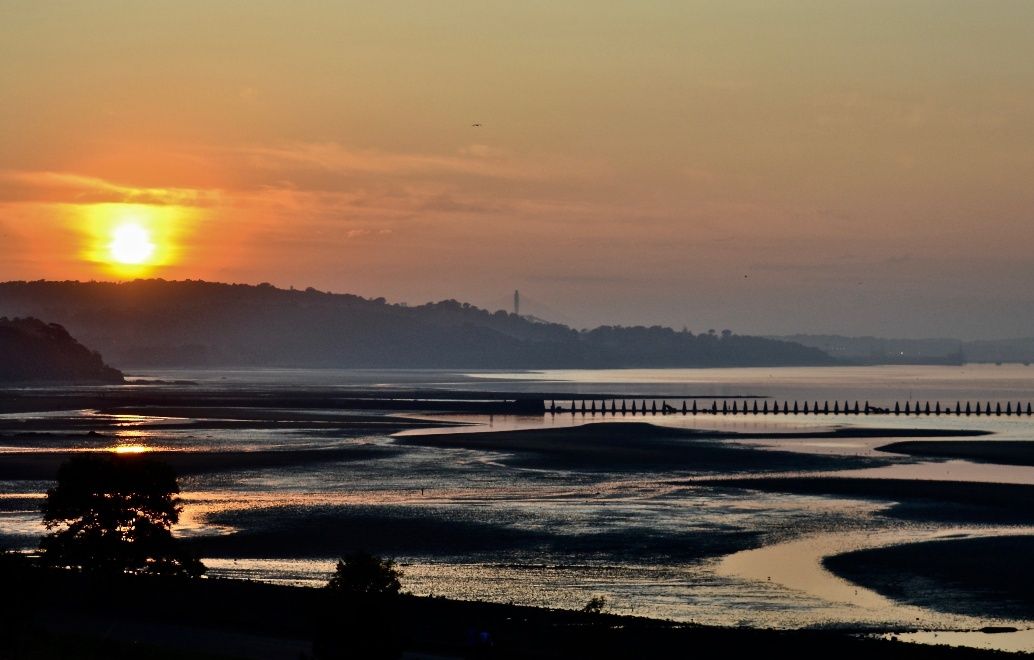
<point x="481" y="524"/>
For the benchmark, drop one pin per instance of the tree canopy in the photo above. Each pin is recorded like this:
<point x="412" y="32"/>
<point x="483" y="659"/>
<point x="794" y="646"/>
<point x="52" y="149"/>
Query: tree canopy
<point x="114" y="513"/>
<point x="361" y="574"/>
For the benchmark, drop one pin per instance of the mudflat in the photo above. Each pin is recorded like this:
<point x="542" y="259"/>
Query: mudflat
<point x="1002" y="452"/>
<point x="955" y="501"/>
<point x="977" y="576"/>
<point x="639" y="446"/>
<point x="43" y="465"/>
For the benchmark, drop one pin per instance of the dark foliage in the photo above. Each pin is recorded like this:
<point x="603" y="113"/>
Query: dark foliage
<point x="596" y="605"/>
<point x="361" y="617"/>
<point x="113" y="514"/>
<point x="32" y="351"/>
<point x="363" y="574"/>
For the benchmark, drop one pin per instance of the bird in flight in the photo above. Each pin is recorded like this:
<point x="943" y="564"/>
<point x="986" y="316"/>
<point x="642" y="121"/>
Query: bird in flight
<point x="476" y="124"/>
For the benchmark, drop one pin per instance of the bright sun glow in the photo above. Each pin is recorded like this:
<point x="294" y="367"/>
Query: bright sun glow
<point x="132" y="240"/>
<point x="131" y="244"/>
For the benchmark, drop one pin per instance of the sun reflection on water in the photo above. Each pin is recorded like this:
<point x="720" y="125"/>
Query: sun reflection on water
<point x="131" y="449"/>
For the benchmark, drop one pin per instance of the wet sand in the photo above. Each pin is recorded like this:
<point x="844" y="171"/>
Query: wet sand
<point x="798" y="564"/>
<point x="947" y="501"/>
<point x="446" y="531"/>
<point x="975" y="576"/>
<point x="43" y="465"/>
<point x="639" y="446"/>
<point x="566" y="512"/>
<point x="337" y="530"/>
<point x="1012" y="452"/>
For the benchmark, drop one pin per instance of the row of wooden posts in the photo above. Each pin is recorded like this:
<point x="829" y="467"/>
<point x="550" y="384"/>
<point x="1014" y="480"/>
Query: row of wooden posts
<point x="754" y="408"/>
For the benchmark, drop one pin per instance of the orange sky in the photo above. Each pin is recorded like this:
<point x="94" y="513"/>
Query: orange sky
<point x="857" y="167"/>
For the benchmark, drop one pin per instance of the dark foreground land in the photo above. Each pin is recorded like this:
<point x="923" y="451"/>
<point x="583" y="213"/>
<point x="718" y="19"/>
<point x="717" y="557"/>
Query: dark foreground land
<point x="72" y="616"/>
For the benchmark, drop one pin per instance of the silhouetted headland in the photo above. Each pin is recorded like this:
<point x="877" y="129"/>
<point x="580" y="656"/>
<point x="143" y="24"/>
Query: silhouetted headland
<point x="32" y="351"/>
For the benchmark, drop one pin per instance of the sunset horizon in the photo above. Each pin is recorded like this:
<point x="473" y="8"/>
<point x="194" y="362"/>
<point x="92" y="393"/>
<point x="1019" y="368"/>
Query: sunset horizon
<point x="860" y="169"/>
<point x="572" y="330"/>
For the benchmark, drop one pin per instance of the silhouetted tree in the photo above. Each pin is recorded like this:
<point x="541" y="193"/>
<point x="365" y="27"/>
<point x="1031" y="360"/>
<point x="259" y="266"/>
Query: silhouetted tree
<point x="113" y="513"/>
<point x="361" y="616"/>
<point x="596" y="605"/>
<point x="361" y="573"/>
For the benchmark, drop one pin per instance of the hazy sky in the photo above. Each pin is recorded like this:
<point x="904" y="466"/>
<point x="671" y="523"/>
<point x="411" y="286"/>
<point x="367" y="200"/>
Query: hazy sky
<point x="830" y="166"/>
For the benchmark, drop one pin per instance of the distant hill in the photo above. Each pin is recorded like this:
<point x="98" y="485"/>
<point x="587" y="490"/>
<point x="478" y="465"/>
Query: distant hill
<point x="188" y="324"/>
<point x="34" y="351"/>
<point x="878" y="350"/>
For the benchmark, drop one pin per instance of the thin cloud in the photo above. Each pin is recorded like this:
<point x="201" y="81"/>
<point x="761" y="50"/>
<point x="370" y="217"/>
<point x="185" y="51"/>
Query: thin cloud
<point x="68" y="188"/>
<point x="475" y="160"/>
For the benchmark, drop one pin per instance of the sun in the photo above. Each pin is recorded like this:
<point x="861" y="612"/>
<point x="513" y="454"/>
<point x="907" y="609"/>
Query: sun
<point x="131" y="244"/>
<point x="133" y="240"/>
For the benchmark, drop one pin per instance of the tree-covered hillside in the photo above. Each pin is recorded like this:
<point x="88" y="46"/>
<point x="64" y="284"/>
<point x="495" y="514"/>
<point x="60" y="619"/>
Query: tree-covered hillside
<point x="194" y="323"/>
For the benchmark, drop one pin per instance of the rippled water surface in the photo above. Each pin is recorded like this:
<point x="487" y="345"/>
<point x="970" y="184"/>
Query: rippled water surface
<point x="476" y="524"/>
